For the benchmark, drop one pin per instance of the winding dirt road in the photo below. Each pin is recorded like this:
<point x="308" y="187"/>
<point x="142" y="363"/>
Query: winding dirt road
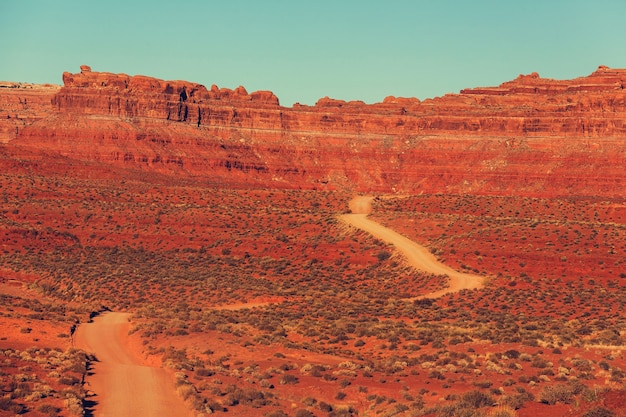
<point x="123" y="385"/>
<point x="417" y="256"/>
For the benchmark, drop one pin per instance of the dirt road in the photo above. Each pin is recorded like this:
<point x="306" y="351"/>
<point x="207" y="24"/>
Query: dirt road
<point x="417" y="256"/>
<point x="122" y="384"/>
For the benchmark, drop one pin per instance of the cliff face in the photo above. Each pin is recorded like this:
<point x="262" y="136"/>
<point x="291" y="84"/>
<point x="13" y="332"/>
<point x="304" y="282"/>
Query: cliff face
<point x="530" y="135"/>
<point x="21" y="105"/>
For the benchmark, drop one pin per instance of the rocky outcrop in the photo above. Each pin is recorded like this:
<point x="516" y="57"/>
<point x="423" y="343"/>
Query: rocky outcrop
<point x="527" y="106"/>
<point x="530" y="135"/>
<point x="120" y="95"/>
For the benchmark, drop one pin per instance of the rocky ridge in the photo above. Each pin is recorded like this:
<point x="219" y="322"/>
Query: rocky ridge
<point x="530" y="135"/>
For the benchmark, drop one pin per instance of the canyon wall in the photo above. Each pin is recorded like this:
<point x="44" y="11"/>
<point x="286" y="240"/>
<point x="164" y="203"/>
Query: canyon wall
<point x="530" y="135"/>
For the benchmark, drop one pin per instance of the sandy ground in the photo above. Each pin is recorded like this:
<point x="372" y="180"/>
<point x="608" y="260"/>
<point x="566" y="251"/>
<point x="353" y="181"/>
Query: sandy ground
<point x="417" y="256"/>
<point x="123" y="385"/>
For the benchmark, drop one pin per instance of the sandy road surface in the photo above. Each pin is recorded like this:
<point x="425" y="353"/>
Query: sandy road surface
<point x="122" y="384"/>
<point x="418" y="256"/>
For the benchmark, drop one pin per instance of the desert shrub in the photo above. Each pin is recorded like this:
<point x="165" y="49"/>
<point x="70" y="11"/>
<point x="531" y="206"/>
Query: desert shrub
<point x="78" y="361"/>
<point x="398" y="409"/>
<point x="617" y="374"/>
<point x="74" y="406"/>
<point x="265" y="383"/>
<point x="502" y="411"/>
<point x="213" y="405"/>
<point x="289" y="379"/>
<point x="508" y="382"/>
<point x="204" y="372"/>
<point x="516" y="401"/>
<point x="577" y="387"/>
<point x="556" y="393"/>
<point x="455" y="341"/>
<point x="325" y="407"/>
<point x="418" y="402"/>
<point x="582" y="365"/>
<point x="303" y="413"/>
<point x="438" y="344"/>
<point x="524" y="379"/>
<point x="483" y="384"/>
<point x="512" y="354"/>
<point x="599" y="412"/>
<point x="342" y="411"/>
<point x="317" y="370"/>
<point x="287" y="366"/>
<point x="276" y="413"/>
<point x="309" y="401"/>
<point x="436" y="375"/>
<point x="69" y="380"/>
<point x="541" y="363"/>
<point x="48" y="409"/>
<point x="185" y="391"/>
<point x="6" y="404"/>
<point x="450" y="410"/>
<point x="246" y="396"/>
<point x="476" y="399"/>
<point x="383" y="255"/>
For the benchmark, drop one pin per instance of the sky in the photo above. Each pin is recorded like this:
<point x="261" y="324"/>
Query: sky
<point x="303" y="50"/>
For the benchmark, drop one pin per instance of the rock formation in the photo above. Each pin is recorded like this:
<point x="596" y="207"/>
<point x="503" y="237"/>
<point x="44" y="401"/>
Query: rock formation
<point x="530" y="135"/>
<point x="21" y="105"/>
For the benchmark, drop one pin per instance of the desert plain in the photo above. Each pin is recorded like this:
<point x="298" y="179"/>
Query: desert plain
<point x="208" y="251"/>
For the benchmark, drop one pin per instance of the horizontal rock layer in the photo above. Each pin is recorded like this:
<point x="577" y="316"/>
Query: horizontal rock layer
<point x="21" y="105"/>
<point x="530" y="135"/>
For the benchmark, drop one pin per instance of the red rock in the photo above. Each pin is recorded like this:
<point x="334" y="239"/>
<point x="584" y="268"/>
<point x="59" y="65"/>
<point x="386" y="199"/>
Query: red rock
<point x="266" y="97"/>
<point x="530" y="135"/>
<point x="402" y="101"/>
<point x="21" y="105"/>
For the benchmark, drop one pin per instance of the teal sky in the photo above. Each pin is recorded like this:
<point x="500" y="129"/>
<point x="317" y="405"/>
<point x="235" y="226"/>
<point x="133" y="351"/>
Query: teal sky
<point x="303" y="50"/>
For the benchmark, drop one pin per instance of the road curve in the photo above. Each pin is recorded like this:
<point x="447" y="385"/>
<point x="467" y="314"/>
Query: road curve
<point x="122" y="384"/>
<point x="417" y="256"/>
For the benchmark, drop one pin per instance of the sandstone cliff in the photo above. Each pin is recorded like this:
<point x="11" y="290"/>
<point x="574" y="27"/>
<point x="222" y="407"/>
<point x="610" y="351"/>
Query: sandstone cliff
<point x="530" y="135"/>
<point x="21" y="105"/>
